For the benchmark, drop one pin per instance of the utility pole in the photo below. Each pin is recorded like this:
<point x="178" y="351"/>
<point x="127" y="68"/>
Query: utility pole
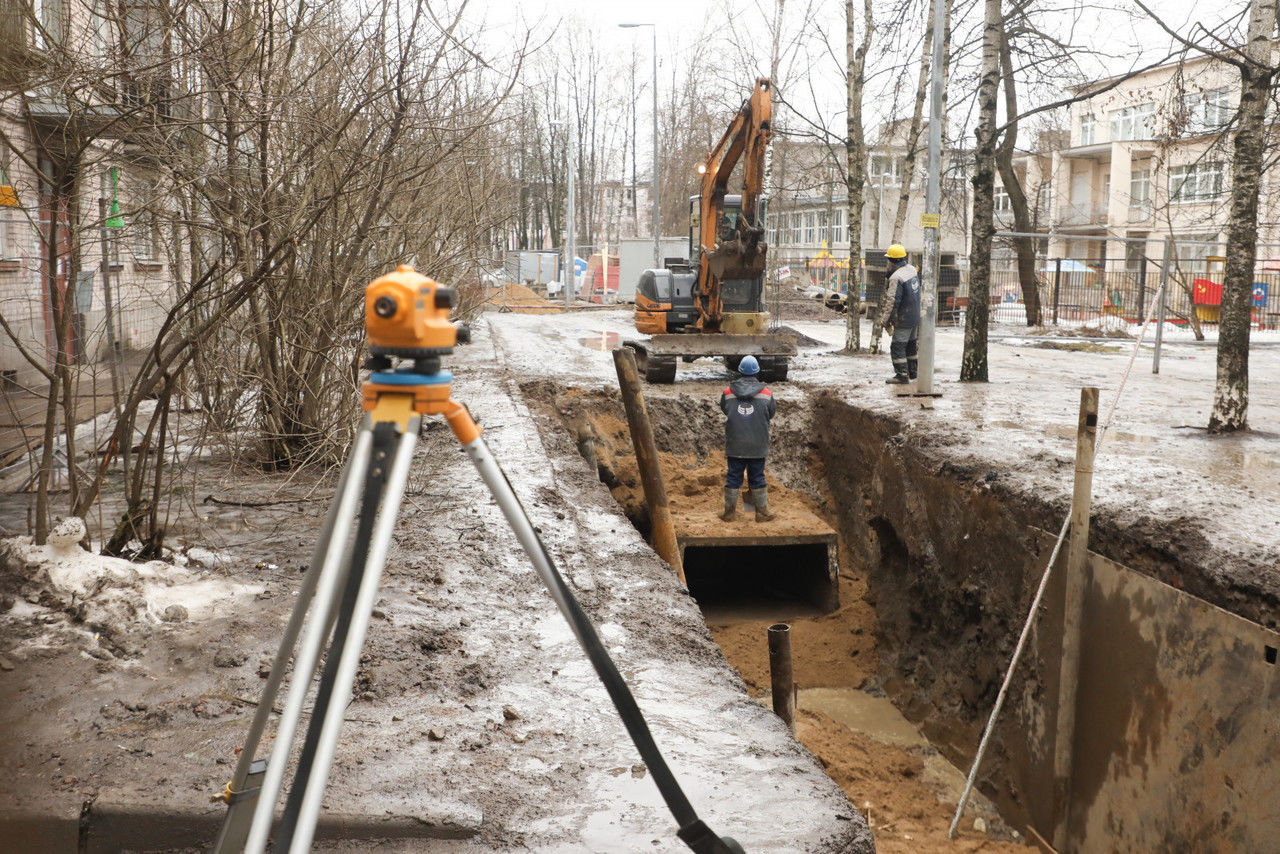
<point x="570" y="248"/>
<point x="571" y="238"/>
<point x="933" y="209"/>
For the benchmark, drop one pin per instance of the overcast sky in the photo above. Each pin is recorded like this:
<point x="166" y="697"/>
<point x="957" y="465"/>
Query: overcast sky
<point x="1118" y="29"/>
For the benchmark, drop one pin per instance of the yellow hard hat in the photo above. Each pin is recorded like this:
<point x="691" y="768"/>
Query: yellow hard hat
<point x="895" y="251"/>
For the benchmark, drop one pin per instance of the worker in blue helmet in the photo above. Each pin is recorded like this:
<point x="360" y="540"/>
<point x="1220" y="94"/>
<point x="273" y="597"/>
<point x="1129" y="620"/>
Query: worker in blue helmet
<point x="748" y="405"/>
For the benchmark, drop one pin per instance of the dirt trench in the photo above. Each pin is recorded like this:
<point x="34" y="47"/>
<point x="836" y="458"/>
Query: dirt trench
<point x="865" y="645"/>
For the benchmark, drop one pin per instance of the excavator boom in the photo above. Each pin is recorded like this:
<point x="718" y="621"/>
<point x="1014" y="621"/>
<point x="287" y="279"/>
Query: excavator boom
<point x="733" y="248"/>
<point x="712" y="303"/>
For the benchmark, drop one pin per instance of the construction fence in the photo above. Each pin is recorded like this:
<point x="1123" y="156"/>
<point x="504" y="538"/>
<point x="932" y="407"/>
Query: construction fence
<point x="1107" y="294"/>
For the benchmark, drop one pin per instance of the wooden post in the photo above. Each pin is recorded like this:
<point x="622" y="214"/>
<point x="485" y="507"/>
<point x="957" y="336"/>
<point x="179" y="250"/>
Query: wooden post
<point x="655" y="492"/>
<point x="1057" y="281"/>
<point x="1077" y="579"/>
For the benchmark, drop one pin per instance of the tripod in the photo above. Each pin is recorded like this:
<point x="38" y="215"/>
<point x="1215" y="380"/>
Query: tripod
<point x="406" y="317"/>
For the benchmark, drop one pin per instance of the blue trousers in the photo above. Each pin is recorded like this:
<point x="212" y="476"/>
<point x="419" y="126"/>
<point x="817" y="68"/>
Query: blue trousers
<point x="754" y="469"/>
<point x="902" y="349"/>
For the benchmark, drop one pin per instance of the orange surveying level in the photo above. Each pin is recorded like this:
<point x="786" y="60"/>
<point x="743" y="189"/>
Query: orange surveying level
<point x="406" y="319"/>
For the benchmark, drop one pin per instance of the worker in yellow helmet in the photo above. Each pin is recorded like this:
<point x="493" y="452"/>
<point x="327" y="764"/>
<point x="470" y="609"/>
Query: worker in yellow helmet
<point x="903" y="320"/>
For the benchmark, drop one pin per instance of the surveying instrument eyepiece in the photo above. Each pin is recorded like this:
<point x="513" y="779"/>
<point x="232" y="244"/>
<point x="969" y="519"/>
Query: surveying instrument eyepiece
<point x="406" y="318"/>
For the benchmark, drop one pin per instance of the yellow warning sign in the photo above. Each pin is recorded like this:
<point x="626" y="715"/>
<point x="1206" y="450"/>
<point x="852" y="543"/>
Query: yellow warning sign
<point x="8" y="197"/>
<point x="929" y="220"/>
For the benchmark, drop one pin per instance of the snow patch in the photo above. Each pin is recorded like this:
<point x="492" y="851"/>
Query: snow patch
<point x="120" y="600"/>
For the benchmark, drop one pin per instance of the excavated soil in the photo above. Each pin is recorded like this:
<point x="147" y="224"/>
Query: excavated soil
<point x="521" y="299"/>
<point x="694" y="487"/>
<point x="907" y="811"/>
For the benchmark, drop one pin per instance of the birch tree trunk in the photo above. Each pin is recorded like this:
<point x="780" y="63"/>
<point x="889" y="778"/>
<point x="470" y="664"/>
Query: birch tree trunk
<point x="855" y="148"/>
<point x="917" y="121"/>
<point x="1231" y="394"/>
<point x="973" y="364"/>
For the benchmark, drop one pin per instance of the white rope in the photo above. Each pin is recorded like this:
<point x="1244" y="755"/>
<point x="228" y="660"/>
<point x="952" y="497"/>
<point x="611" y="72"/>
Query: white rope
<point x="1044" y="581"/>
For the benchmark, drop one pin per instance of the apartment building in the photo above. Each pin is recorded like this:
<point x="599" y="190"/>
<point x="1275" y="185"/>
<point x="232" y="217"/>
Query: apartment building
<point x="1147" y="158"/>
<point x="64" y="161"/>
<point x="808" y="207"/>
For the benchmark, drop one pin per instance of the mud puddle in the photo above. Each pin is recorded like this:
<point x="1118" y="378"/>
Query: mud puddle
<point x="600" y="340"/>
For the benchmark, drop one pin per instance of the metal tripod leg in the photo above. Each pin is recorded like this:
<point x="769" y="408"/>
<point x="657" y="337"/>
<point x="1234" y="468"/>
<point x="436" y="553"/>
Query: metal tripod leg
<point x="325" y="567"/>
<point x="333" y="714"/>
<point x="352" y="619"/>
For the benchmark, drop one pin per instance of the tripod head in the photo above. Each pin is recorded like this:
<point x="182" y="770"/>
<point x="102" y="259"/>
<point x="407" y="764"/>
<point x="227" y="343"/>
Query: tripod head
<point x="406" y="316"/>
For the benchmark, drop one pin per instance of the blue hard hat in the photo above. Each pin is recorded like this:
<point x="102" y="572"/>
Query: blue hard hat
<point x="748" y="367"/>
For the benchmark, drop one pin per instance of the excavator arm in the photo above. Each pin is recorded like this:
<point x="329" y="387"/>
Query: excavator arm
<point x="733" y="249"/>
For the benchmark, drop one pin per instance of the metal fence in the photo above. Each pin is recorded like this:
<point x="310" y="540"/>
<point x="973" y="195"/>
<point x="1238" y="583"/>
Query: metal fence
<point x="1115" y="296"/>
<point x="1110" y="295"/>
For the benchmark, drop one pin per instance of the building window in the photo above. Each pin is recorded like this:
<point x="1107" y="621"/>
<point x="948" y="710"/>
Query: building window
<point x="1195" y="182"/>
<point x="837" y="227"/>
<point x="1003" y="202"/>
<point x="102" y="29"/>
<point x="1131" y="123"/>
<point x="8" y="215"/>
<point x="884" y="169"/>
<point x="1193" y="251"/>
<point x="771" y="223"/>
<point x="144" y="236"/>
<point x="52" y="15"/>
<point x="1088" y="128"/>
<point x="1207" y="111"/>
<point x="823" y="230"/>
<point x="1140" y="192"/>
<point x="797" y="234"/>
<point x="810" y="237"/>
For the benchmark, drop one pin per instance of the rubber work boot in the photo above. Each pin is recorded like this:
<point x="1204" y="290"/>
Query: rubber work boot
<point x="898" y="379"/>
<point x="762" y="505"/>
<point x="730" y="504"/>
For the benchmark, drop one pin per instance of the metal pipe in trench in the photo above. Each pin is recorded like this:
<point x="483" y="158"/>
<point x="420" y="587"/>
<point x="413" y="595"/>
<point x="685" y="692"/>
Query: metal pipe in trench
<point x="781" y="678"/>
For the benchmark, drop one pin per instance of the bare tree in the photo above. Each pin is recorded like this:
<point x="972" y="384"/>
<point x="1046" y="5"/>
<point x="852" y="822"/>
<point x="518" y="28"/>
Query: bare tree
<point x="1257" y="71"/>
<point x="917" y="111"/>
<point x="298" y="153"/>
<point x="855" y="162"/>
<point x="973" y="362"/>
<point x="1024" y="246"/>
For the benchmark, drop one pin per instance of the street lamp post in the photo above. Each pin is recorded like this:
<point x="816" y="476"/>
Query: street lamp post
<point x="657" y="246"/>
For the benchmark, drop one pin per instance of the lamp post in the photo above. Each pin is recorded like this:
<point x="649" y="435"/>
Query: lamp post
<point x="570" y="247"/>
<point x="657" y="246"/>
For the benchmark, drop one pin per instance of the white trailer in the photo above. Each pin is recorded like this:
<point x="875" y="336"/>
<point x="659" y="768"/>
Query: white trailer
<point x="542" y="268"/>
<point x="635" y="255"/>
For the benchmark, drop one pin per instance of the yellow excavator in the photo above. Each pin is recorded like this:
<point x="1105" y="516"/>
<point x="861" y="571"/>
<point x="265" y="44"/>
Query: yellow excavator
<point x="711" y="303"/>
